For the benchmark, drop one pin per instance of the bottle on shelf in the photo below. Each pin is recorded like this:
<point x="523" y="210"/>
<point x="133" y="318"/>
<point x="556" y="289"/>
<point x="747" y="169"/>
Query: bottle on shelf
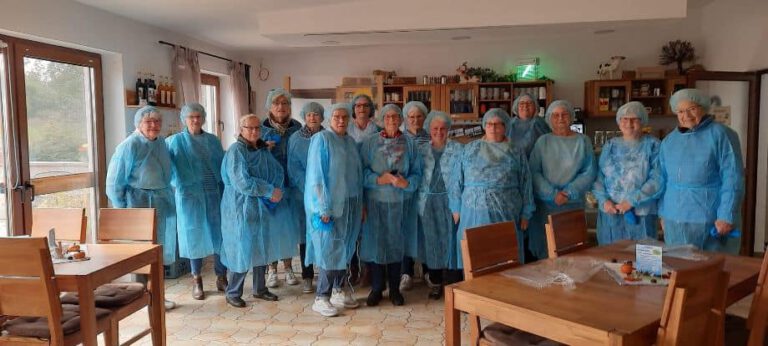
<point x="164" y="92"/>
<point x="141" y="97"/>
<point x="152" y="91"/>
<point x="171" y="93"/>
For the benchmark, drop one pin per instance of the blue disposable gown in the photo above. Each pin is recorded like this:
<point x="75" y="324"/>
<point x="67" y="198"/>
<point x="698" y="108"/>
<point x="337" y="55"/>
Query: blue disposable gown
<point x="389" y="231"/>
<point x="524" y="133"/>
<point x="558" y="163"/>
<point x="629" y="171"/>
<point x="360" y="135"/>
<point x="334" y="187"/>
<point x="437" y="231"/>
<point x="288" y="234"/>
<point x="491" y="183"/>
<point x="250" y="176"/>
<point x="298" y="147"/>
<point x="196" y="177"/>
<point x="703" y="170"/>
<point x="139" y="176"/>
<point x="421" y="136"/>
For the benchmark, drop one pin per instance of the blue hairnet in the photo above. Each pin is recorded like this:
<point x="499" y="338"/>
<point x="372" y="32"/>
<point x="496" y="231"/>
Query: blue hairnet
<point x="632" y="108"/>
<point x="559" y="103"/>
<point x="387" y="108"/>
<point x="190" y="108"/>
<point x="437" y="115"/>
<point x="345" y="106"/>
<point x="516" y="103"/>
<point x="694" y="95"/>
<point x="497" y="113"/>
<point x="312" y="107"/>
<point x="372" y="106"/>
<point x="144" y="111"/>
<point x="274" y="94"/>
<point x="408" y="106"/>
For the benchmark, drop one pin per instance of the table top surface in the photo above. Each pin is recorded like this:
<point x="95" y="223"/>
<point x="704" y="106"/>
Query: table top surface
<point x="103" y="256"/>
<point x="600" y="302"/>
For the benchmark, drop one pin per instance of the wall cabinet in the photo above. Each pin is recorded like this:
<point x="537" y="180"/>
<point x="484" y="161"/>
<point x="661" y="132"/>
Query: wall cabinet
<point x="602" y="98"/>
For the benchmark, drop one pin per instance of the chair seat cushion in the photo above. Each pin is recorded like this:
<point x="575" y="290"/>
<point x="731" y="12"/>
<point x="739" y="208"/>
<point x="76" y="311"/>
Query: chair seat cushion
<point x="37" y="327"/>
<point x="499" y="334"/>
<point x="110" y="295"/>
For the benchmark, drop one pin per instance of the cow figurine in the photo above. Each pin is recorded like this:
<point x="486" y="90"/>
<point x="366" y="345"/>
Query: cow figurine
<point x="606" y="69"/>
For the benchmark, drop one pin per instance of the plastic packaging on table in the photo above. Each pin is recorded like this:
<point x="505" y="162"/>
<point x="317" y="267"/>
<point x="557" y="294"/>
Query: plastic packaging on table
<point x="563" y="271"/>
<point x="687" y="252"/>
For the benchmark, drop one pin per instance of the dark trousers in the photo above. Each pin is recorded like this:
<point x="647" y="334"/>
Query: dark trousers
<point x="307" y="272"/>
<point x="381" y="272"/>
<point x="408" y="264"/>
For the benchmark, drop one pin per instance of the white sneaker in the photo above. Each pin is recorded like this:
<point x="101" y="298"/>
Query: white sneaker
<point x="307" y="287"/>
<point x="290" y="278"/>
<point x="343" y="299"/>
<point x="405" y="282"/>
<point x="323" y="307"/>
<point x="272" y="279"/>
<point x="169" y="305"/>
<point x="428" y="281"/>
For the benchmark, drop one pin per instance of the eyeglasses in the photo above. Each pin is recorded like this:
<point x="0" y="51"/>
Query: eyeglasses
<point x="251" y="128"/>
<point x="362" y="105"/>
<point x="689" y="110"/>
<point x="280" y="103"/>
<point x="151" y="121"/>
<point x="525" y="103"/>
<point x="630" y="119"/>
<point x="493" y="124"/>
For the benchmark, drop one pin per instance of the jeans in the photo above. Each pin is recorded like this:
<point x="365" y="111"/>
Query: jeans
<point x="197" y="266"/>
<point x="237" y="281"/>
<point x="390" y="271"/>
<point x="307" y="272"/>
<point x="329" y="279"/>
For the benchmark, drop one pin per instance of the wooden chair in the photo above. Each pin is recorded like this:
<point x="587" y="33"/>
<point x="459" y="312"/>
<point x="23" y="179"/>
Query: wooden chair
<point x="28" y="288"/>
<point x="70" y="223"/>
<point x="694" y="306"/>
<point x="567" y="233"/>
<point x="485" y="250"/>
<point x="752" y="331"/>
<point x="125" y="225"/>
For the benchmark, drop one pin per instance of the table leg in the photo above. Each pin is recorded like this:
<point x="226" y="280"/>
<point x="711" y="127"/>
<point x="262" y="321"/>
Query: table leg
<point x="452" y="328"/>
<point x="87" y="311"/>
<point x="157" y="290"/>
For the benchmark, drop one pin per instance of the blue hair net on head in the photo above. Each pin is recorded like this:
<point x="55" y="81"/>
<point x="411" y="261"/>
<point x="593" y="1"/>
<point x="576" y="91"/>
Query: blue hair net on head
<point x="558" y="103"/>
<point x="336" y="106"/>
<point x="190" y="108"/>
<point x="497" y="113"/>
<point x="144" y="111"/>
<point x="274" y="94"/>
<point x="372" y="106"/>
<point x="630" y="109"/>
<point x="312" y="107"/>
<point x="384" y="110"/>
<point x="694" y="95"/>
<point x="437" y="115"/>
<point x="522" y="96"/>
<point x="408" y="106"/>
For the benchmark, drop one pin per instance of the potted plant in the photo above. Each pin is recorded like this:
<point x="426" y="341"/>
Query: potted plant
<point x="677" y="52"/>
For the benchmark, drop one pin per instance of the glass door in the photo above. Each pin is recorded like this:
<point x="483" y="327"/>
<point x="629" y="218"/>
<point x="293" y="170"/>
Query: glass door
<point x="53" y="131"/>
<point x="461" y="101"/>
<point x="6" y="219"/>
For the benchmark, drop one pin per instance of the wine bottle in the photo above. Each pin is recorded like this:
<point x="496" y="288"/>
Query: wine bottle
<point x="140" y="98"/>
<point x="152" y="91"/>
<point x="163" y="90"/>
<point x="146" y="89"/>
<point x="172" y="91"/>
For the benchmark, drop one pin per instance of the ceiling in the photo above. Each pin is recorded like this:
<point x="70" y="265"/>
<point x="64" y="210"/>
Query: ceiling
<point x="259" y="25"/>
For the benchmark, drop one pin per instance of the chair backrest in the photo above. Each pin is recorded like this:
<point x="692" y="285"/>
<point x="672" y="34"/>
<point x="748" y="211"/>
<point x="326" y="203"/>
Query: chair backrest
<point x="567" y="233"/>
<point x="126" y="225"/>
<point x="27" y="283"/>
<point x="488" y="249"/>
<point x="694" y="306"/>
<point x="758" y="313"/>
<point x="69" y="223"/>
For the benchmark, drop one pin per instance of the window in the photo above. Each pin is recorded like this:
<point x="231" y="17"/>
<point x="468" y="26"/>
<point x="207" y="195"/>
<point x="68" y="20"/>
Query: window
<point x="209" y="98"/>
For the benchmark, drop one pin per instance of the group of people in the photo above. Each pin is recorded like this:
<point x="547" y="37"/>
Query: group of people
<point x="389" y="188"/>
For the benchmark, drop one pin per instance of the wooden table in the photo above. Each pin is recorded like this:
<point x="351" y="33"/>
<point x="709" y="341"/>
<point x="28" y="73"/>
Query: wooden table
<point x="109" y="262"/>
<point x="598" y="311"/>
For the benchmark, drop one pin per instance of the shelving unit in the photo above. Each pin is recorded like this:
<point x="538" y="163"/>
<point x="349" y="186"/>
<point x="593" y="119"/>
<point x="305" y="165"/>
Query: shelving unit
<point x="602" y="98"/>
<point x="131" y="95"/>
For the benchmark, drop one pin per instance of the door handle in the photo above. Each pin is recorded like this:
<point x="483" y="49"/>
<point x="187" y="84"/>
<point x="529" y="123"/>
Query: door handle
<point x="27" y="187"/>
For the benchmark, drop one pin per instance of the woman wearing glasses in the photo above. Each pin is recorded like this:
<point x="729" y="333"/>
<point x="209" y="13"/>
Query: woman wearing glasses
<point x="629" y="181"/>
<point x="526" y="127"/>
<point x="702" y="164"/>
<point x="362" y="125"/>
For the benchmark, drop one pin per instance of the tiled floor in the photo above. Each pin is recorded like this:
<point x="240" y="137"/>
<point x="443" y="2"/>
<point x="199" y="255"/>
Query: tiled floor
<point x="291" y="321"/>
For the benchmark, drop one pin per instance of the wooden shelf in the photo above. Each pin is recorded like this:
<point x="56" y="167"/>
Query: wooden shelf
<point x="648" y="97"/>
<point x="489" y="100"/>
<point x="160" y="107"/>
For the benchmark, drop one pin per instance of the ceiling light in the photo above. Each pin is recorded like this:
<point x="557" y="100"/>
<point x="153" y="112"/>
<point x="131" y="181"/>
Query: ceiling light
<point x="604" y="31"/>
<point x="460" y="38"/>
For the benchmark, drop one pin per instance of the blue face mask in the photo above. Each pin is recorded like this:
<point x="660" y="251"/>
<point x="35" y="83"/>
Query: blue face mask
<point x="630" y="217"/>
<point x="732" y="234"/>
<point x="318" y="224"/>
<point x="273" y="137"/>
<point x="269" y="204"/>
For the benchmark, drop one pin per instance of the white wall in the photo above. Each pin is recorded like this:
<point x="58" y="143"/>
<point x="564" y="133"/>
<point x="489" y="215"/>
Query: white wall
<point x="126" y="46"/>
<point x="568" y="58"/>
<point x="735" y="38"/>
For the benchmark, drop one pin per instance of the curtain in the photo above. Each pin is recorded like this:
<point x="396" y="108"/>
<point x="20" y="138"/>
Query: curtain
<point x="240" y="93"/>
<point x="186" y="73"/>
